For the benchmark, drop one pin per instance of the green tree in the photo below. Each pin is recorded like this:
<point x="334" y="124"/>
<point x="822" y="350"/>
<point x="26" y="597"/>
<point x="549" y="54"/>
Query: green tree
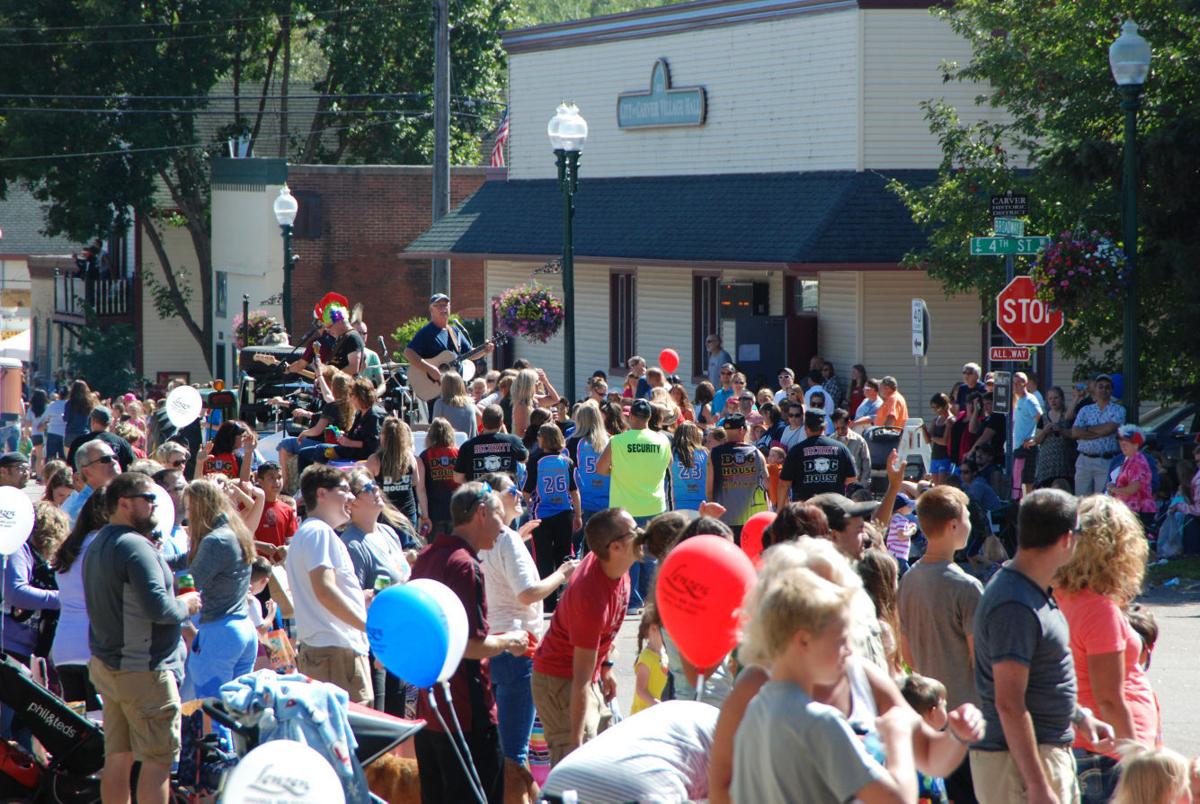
<point x="539" y="12"/>
<point x="1045" y="66"/>
<point x="106" y="117"/>
<point x="104" y="357"/>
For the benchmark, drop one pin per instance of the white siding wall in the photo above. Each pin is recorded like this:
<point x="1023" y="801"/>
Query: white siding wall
<point x="166" y="343"/>
<point x="782" y="95"/>
<point x="902" y="52"/>
<point x="591" y="318"/>
<point x="664" y="314"/>
<point x="839" y="327"/>
<point x="887" y="328"/>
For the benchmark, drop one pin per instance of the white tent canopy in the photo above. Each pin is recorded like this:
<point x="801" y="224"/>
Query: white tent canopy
<point x="16" y="346"/>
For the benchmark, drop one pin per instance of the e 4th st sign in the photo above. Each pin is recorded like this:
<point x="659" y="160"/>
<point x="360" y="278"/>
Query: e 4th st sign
<point x="1023" y="317"/>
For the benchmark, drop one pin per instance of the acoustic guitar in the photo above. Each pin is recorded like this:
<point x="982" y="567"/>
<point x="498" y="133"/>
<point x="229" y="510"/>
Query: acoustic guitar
<point x="427" y="389"/>
<point x="272" y="360"/>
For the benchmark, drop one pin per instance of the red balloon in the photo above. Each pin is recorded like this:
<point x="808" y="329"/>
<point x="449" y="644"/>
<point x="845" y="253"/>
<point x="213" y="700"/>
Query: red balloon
<point x="700" y="589"/>
<point x="752" y="533"/>
<point x="669" y="360"/>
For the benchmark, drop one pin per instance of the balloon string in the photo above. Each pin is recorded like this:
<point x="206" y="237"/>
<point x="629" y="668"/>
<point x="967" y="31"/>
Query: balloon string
<point x="458" y="728"/>
<point x="454" y="744"/>
<point x="3" y="595"/>
<point x="700" y="687"/>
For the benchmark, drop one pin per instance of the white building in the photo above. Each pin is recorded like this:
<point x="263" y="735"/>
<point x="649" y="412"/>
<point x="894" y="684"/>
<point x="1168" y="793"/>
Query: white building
<point x="744" y="190"/>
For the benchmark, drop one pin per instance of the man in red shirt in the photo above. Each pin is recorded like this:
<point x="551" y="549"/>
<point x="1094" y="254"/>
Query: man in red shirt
<point x="572" y="674"/>
<point x="453" y="559"/>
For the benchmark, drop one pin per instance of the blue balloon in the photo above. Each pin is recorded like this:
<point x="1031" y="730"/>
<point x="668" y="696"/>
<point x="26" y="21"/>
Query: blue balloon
<point x="409" y="633"/>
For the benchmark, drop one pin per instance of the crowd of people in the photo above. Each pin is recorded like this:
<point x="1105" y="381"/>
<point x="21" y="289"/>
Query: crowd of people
<point x="875" y="664"/>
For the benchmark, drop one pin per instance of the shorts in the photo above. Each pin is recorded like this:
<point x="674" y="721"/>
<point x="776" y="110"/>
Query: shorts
<point x="141" y="712"/>
<point x="38" y="439"/>
<point x="943" y="466"/>
<point x="341" y="667"/>
<point x="997" y="780"/>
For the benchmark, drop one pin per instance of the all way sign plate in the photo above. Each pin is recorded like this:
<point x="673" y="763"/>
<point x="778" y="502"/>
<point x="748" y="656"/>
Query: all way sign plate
<point x="1009" y="354"/>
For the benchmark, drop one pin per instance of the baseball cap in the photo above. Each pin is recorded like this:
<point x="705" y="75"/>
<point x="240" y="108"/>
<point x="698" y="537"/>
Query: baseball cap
<point x="13" y="459"/>
<point x="839" y="508"/>
<point x="640" y="408"/>
<point x="904" y="501"/>
<point x="735" y="421"/>
<point x="438" y="297"/>
<point x="814" y="419"/>
<point x="102" y="415"/>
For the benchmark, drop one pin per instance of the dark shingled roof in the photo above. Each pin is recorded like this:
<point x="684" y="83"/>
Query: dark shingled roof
<point x="22" y="221"/>
<point x="769" y="218"/>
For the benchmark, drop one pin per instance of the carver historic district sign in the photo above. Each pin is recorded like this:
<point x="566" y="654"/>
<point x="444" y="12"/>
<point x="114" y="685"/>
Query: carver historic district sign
<point x="662" y="105"/>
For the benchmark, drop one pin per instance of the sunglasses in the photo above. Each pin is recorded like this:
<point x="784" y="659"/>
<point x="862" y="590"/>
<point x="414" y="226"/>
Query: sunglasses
<point x="178" y="464"/>
<point x="368" y="488"/>
<point x="148" y="496"/>
<point x="102" y="459"/>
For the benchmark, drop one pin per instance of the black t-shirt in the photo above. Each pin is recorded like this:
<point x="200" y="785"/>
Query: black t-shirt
<point x="490" y="452"/>
<point x="346" y="345"/>
<point x="998" y="424"/>
<point x="119" y="446"/>
<point x="332" y="411"/>
<point x="817" y="465"/>
<point x="366" y="428"/>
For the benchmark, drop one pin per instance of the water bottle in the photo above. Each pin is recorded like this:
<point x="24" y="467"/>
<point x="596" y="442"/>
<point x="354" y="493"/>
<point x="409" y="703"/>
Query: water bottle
<point x="185" y="583"/>
<point x="382" y="582"/>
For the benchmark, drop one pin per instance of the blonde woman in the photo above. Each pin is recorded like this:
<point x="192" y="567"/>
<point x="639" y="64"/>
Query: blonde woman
<point x="29" y="589"/>
<point x="398" y="474"/>
<point x="526" y="396"/>
<point x="222" y="549"/>
<point x="455" y="406"/>
<point x="585" y="446"/>
<point x="1103" y="577"/>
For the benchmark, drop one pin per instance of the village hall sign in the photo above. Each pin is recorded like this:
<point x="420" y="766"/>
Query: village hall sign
<point x="662" y="105"/>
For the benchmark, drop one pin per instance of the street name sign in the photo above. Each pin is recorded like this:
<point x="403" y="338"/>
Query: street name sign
<point x="1009" y="354"/>
<point x="1009" y="227"/>
<point x="999" y="246"/>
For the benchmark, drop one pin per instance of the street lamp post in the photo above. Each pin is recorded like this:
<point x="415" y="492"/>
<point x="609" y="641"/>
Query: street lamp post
<point x="1129" y="60"/>
<point x="286" y="208"/>
<point x="568" y="132"/>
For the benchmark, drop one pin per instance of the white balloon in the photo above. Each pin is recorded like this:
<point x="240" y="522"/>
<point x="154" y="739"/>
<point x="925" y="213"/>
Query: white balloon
<point x="164" y="512"/>
<point x="183" y="406"/>
<point x="283" y="772"/>
<point x="456" y="622"/>
<point x="16" y="519"/>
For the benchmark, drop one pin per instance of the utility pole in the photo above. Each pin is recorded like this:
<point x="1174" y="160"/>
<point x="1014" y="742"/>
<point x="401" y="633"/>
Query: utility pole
<point x="440" y="280"/>
<point x="286" y="30"/>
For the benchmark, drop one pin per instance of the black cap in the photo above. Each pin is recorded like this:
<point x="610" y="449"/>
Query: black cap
<point x="438" y="297"/>
<point x="814" y="420"/>
<point x="13" y="459"/>
<point x="839" y="508"/>
<point x="735" y="421"/>
<point x="640" y="408"/>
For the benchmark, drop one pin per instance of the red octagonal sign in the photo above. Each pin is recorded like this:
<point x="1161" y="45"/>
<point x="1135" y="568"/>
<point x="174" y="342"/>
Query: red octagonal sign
<point x="1023" y="317"/>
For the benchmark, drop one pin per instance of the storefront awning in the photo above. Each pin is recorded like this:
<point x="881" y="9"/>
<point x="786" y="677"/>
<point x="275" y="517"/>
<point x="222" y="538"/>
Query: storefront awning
<point x="762" y="219"/>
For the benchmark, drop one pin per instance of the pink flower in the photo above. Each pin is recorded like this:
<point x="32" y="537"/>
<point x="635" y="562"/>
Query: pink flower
<point x="1064" y="283"/>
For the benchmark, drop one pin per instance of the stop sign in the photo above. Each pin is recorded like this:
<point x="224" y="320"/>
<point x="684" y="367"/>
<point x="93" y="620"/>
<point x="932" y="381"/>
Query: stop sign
<point x="1023" y="317"/>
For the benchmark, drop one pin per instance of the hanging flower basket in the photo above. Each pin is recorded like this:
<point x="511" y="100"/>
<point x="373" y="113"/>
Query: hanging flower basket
<point x="1079" y="269"/>
<point x="529" y="311"/>
<point x="261" y="326"/>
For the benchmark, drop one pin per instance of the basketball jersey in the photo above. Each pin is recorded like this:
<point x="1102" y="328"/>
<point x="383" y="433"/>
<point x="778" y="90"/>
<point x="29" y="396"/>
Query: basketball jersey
<point x="593" y="486"/>
<point x="554" y="485"/>
<point x="688" y="483"/>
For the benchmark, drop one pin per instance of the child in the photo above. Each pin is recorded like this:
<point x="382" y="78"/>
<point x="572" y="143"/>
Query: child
<point x="927" y="697"/>
<point x="278" y="522"/>
<point x="651" y="664"/>
<point x="775" y="458"/>
<point x="801" y="628"/>
<point x="261" y="618"/>
<point x="1155" y="776"/>
<point x="1146" y="627"/>
<point x="990" y="559"/>
<point x="901" y="530"/>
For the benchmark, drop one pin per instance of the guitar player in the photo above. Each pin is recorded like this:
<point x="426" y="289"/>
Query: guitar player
<point x="436" y="337"/>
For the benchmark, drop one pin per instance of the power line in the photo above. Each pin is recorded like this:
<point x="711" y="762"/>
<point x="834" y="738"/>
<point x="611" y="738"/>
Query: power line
<point x="212" y="21"/>
<point x="252" y="97"/>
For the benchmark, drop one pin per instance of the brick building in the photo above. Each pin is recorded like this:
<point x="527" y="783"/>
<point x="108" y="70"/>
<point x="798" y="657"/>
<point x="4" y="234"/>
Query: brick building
<point x="353" y="224"/>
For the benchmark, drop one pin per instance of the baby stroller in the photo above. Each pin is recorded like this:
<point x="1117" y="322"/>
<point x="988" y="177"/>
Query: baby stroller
<point x="75" y="745"/>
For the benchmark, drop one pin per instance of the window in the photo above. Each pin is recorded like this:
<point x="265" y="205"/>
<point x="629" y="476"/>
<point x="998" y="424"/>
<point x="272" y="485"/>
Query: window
<point x="705" y="318"/>
<point x="308" y="217"/>
<point x="222" y="300"/>
<point x="804" y="295"/>
<point x="622" y="314"/>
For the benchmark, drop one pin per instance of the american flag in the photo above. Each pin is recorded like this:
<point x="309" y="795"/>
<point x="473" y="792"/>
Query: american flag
<point x="501" y="139"/>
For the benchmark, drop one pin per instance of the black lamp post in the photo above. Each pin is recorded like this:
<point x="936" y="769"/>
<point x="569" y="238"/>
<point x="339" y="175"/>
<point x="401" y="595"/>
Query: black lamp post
<point x="286" y="208"/>
<point x="568" y="131"/>
<point x="1129" y="59"/>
